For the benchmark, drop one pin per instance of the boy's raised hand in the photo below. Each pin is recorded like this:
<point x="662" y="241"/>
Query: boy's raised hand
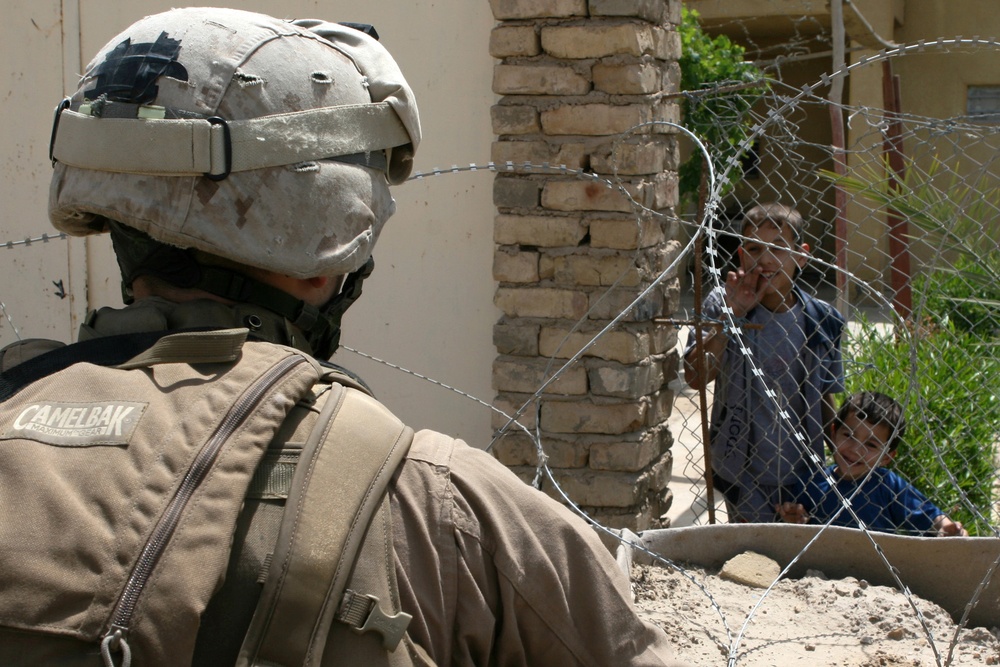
<point x="744" y="291"/>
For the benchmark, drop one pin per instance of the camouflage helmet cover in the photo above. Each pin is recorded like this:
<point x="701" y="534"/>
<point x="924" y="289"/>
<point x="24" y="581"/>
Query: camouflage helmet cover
<point x="297" y="195"/>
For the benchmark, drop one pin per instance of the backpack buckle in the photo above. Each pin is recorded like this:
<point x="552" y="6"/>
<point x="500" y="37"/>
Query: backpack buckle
<point x="363" y="613"/>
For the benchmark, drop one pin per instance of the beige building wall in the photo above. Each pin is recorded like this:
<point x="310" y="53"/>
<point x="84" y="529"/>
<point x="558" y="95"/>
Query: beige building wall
<point x="933" y="84"/>
<point x="938" y="87"/>
<point x="429" y="305"/>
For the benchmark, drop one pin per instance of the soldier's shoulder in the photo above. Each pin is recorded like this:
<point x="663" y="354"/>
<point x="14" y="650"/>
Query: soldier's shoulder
<point x="24" y="350"/>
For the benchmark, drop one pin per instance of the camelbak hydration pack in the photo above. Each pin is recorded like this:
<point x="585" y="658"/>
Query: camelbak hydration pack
<point x="140" y="473"/>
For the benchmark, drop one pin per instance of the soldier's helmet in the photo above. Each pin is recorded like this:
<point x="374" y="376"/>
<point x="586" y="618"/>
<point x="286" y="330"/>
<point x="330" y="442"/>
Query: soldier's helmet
<point x="263" y="141"/>
<point x="266" y="142"/>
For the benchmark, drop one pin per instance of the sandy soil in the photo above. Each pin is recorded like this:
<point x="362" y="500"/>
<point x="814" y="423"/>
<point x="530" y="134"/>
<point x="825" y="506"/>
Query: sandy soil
<point x="810" y="621"/>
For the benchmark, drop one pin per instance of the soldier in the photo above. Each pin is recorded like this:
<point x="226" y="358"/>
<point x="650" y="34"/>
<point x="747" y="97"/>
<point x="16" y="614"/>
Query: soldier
<point x="241" y="165"/>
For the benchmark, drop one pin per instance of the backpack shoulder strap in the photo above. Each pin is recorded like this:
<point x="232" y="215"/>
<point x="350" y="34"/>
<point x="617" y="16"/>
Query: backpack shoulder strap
<point x="370" y="624"/>
<point x="339" y="484"/>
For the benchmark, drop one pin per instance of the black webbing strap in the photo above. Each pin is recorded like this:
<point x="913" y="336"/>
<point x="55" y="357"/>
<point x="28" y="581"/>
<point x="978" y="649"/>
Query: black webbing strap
<point x="235" y="286"/>
<point x="105" y="351"/>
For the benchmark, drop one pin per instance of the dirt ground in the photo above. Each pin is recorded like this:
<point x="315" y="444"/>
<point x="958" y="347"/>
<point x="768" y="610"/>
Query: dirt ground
<point x="810" y="621"/>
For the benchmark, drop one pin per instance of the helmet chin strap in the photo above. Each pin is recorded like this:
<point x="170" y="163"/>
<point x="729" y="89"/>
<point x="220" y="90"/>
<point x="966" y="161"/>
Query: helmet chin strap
<point x="139" y="254"/>
<point x="326" y="341"/>
<point x="321" y="326"/>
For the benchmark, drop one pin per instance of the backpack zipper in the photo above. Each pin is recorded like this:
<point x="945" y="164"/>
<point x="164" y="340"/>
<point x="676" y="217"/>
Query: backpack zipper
<point x="115" y="639"/>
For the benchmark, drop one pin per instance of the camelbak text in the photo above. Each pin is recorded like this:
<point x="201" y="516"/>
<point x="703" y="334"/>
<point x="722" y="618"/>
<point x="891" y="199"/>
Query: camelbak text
<point x="77" y="424"/>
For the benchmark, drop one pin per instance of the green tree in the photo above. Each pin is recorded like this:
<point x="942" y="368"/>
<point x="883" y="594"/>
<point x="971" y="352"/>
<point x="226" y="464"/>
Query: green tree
<point x="719" y="80"/>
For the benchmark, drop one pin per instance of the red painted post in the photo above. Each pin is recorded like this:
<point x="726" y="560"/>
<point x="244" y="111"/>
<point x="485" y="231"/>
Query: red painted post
<point x="892" y="146"/>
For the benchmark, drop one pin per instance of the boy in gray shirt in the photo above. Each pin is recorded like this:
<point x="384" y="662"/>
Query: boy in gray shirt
<point x="775" y="381"/>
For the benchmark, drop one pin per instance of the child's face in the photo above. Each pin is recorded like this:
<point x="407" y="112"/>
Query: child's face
<point x="859" y="446"/>
<point x="773" y="255"/>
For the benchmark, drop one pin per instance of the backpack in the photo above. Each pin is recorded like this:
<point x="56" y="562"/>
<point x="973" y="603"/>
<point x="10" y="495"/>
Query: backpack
<point x="126" y="467"/>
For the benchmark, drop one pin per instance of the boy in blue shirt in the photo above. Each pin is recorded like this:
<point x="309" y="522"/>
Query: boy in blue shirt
<point x="866" y="435"/>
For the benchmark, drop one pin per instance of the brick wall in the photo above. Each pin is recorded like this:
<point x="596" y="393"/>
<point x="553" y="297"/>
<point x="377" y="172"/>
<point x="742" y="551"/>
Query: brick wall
<point x="573" y="76"/>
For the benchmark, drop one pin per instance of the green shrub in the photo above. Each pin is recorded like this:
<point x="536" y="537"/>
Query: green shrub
<point x="946" y="369"/>
<point x="948" y="381"/>
<point x="964" y="296"/>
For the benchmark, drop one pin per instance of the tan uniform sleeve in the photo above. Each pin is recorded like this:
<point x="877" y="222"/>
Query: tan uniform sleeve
<point x="497" y="573"/>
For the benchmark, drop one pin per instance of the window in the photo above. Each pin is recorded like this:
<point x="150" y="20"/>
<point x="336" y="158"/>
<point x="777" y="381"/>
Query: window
<point x="983" y="104"/>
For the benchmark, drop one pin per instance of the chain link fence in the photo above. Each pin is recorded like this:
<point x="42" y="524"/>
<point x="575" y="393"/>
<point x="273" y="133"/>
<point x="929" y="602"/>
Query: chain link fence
<point x="901" y="216"/>
<point x="901" y="219"/>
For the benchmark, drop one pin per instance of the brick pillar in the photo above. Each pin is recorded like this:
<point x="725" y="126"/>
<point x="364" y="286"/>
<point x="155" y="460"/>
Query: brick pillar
<point x="573" y="75"/>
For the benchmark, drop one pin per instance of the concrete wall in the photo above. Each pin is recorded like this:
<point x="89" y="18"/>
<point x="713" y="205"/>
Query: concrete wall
<point x="32" y="82"/>
<point x="428" y="306"/>
<point x="844" y="552"/>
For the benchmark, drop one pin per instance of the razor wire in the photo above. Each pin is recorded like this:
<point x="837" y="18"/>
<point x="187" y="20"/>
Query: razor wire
<point x="777" y="127"/>
<point x="899" y="326"/>
<point x="543" y="467"/>
<point x="734" y="639"/>
<point x="924" y="130"/>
